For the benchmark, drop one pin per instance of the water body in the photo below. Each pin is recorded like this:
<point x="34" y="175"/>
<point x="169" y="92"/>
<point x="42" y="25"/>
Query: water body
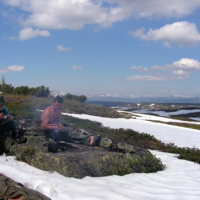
<point x="119" y="106"/>
<point x="195" y="118"/>
<point x="163" y="113"/>
<point x="166" y="114"/>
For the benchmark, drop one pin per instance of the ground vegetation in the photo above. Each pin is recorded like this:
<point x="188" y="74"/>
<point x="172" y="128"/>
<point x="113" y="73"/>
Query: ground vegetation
<point x="26" y="108"/>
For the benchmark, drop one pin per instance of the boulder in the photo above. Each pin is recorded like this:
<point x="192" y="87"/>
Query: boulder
<point x="17" y="190"/>
<point x="79" y="160"/>
<point x="6" y="141"/>
<point x="76" y="160"/>
<point x="105" y="142"/>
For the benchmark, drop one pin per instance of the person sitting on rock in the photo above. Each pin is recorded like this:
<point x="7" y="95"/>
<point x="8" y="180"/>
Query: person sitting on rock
<point x="53" y="128"/>
<point x="7" y="123"/>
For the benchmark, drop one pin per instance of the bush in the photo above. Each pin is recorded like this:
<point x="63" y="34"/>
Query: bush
<point x="81" y="98"/>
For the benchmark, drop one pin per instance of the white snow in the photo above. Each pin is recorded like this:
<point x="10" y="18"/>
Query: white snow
<point x="179" y="181"/>
<point x="167" y="133"/>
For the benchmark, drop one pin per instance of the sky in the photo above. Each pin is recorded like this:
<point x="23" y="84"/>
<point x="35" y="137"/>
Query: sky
<point x="126" y="48"/>
<point x="179" y="180"/>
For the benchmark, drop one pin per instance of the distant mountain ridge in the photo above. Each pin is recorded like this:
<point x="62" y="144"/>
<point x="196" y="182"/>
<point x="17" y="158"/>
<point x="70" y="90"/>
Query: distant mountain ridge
<point x="56" y="93"/>
<point x="109" y="98"/>
<point x="173" y="100"/>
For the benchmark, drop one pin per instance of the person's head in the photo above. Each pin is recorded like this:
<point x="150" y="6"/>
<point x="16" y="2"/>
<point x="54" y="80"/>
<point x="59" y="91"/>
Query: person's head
<point x="57" y="103"/>
<point x="2" y="102"/>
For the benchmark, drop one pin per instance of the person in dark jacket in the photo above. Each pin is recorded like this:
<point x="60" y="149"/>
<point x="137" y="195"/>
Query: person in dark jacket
<point x="7" y="123"/>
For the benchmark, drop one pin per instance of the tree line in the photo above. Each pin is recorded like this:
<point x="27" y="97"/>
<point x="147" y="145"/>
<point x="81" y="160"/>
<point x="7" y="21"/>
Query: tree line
<point x="80" y="98"/>
<point x="40" y="91"/>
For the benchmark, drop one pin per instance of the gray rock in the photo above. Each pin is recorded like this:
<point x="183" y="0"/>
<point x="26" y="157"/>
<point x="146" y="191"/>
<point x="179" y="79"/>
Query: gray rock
<point x="79" y="160"/>
<point x="22" y="121"/>
<point x="105" y="142"/>
<point x="18" y="189"/>
<point x="126" y="148"/>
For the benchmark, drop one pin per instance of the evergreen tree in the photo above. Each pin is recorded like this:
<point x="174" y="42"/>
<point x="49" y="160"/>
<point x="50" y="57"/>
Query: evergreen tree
<point x="3" y="83"/>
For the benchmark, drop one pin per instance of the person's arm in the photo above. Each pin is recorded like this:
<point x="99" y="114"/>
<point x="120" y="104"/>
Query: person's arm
<point x="10" y="118"/>
<point x="5" y="111"/>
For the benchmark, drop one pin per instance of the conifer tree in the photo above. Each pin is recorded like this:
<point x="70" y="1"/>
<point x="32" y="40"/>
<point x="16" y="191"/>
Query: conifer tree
<point x="3" y="83"/>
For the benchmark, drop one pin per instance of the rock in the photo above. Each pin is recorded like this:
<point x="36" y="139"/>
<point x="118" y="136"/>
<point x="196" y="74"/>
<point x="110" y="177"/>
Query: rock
<point x="30" y="128"/>
<point x="105" y="142"/>
<point x="76" y="160"/>
<point x="126" y="148"/>
<point x="22" y="121"/>
<point x="6" y="141"/>
<point x="79" y="160"/>
<point x="28" y="124"/>
<point x="18" y="189"/>
<point x="31" y="133"/>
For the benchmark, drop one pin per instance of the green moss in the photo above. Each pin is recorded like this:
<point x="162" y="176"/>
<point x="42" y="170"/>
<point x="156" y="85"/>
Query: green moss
<point x="35" y="140"/>
<point x="28" y="151"/>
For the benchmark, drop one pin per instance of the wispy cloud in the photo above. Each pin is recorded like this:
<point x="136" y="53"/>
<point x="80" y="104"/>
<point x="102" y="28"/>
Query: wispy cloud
<point x="179" y="33"/>
<point x="178" y="70"/>
<point x="28" y="33"/>
<point x="144" y="78"/>
<point x="61" y="48"/>
<point x="13" y="68"/>
<point x="139" y="68"/>
<point x="77" y="68"/>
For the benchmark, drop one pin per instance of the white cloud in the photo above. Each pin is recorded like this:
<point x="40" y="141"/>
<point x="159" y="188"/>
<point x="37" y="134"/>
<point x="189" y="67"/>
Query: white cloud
<point x="164" y="91"/>
<point x="61" y="48"/>
<point x="74" y="14"/>
<point x="178" y="70"/>
<point x="77" y="68"/>
<point x="180" y="73"/>
<point x="139" y="68"/>
<point x="28" y="33"/>
<point x="187" y="64"/>
<point x="13" y="68"/>
<point x="180" y="33"/>
<point x="144" y="78"/>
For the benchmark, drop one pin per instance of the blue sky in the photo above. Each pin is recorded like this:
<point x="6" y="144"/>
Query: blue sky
<point x="114" y="47"/>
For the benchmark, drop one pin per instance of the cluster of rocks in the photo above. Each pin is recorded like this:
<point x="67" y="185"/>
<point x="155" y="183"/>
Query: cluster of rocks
<point x="77" y="160"/>
<point x="72" y="160"/>
<point x="10" y="189"/>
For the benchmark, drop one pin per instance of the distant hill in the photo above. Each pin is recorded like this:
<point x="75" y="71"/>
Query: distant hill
<point x="120" y="101"/>
<point x="56" y="93"/>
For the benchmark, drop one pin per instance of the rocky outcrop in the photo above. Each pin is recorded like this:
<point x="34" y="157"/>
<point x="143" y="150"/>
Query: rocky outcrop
<point x="76" y="160"/>
<point x="79" y="160"/>
<point x="10" y="189"/>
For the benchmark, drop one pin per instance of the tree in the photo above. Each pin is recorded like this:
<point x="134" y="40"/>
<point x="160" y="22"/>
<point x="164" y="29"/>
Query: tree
<point x="42" y="91"/>
<point x="3" y="83"/>
<point x="68" y="96"/>
<point x="25" y="90"/>
<point x="81" y="98"/>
